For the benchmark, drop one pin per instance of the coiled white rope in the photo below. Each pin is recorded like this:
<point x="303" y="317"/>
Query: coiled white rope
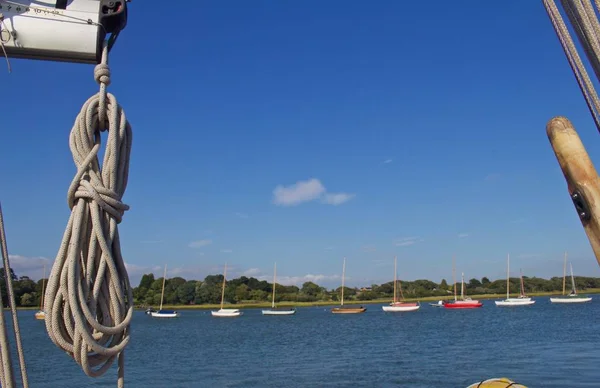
<point x="88" y="300"/>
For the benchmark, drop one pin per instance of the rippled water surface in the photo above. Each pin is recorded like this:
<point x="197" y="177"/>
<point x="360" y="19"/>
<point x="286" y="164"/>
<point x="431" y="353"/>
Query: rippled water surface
<point x="544" y="345"/>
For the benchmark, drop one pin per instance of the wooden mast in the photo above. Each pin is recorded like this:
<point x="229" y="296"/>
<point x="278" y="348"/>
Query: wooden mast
<point x="274" y="285"/>
<point x="43" y="284"/>
<point x="162" y="294"/>
<point x="454" y="276"/>
<point x="223" y="290"/>
<point x="395" y="278"/>
<point x="343" y="277"/>
<point x="565" y="273"/>
<point x="507" y="276"/>
<point x="573" y="280"/>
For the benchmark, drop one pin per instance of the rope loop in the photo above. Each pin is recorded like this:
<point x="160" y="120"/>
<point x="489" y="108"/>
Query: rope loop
<point x="88" y="300"/>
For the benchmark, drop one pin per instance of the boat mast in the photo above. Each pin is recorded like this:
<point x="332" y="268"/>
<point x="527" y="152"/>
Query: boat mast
<point x="454" y="276"/>
<point x="274" y="274"/>
<point x="43" y="284"/>
<point x="395" y="278"/>
<point x="507" y="276"/>
<point x="462" y="287"/>
<point x="573" y="280"/>
<point x="162" y="295"/>
<point x="564" y="273"/>
<point x="343" y="277"/>
<point x="223" y="290"/>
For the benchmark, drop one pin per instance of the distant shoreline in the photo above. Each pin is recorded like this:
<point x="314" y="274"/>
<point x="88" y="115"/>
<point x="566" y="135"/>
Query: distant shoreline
<point x="350" y="302"/>
<point x="427" y="299"/>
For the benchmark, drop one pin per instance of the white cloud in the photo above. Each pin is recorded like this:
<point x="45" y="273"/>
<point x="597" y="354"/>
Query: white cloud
<point x="387" y="161"/>
<point x="30" y="266"/>
<point x="252" y="272"/>
<point x="319" y="279"/>
<point x="463" y="235"/>
<point x="306" y="191"/>
<point x="329" y="248"/>
<point x="301" y="191"/>
<point x="337" y="199"/>
<point x="406" y="241"/>
<point x="226" y="250"/>
<point x="199" y="243"/>
<point x="241" y="215"/>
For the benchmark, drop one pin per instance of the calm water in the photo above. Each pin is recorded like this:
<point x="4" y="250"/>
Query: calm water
<point x="544" y="345"/>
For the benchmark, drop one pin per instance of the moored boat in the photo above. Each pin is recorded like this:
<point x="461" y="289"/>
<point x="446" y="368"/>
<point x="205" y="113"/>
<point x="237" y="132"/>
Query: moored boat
<point x="225" y="313"/>
<point x="280" y="310"/>
<point x="346" y="309"/>
<point x="163" y="313"/>
<point x="41" y="314"/>
<point x="464" y="302"/>
<point x="573" y="297"/>
<point x="522" y="300"/>
<point x="399" y="306"/>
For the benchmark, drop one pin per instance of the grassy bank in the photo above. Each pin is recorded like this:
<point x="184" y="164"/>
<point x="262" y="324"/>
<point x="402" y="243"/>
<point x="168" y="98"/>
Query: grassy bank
<point x="353" y="302"/>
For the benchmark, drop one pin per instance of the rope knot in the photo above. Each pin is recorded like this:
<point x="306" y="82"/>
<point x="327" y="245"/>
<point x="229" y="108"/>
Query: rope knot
<point x="108" y="200"/>
<point x="102" y="74"/>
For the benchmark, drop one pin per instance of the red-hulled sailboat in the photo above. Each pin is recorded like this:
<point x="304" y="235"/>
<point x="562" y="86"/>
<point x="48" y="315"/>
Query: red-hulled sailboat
<point x="463" y="303"/>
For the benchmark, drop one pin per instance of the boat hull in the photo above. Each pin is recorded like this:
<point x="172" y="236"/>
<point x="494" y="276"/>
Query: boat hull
<point x="226" y="313"/>
<point x="571" y="299"/>
<point x="400" y="307"/>
<point x="438" y="304"/>
<point x="278" y="312"/>
<point x="472" y="304"/>
<point x="510" y="302"/>
<point x="161" y="314"/>
<point x="40" y="315"/>
<point x="354" y="310"/>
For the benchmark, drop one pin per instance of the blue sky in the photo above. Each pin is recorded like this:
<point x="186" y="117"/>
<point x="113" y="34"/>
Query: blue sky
<point x="303" y="133"/>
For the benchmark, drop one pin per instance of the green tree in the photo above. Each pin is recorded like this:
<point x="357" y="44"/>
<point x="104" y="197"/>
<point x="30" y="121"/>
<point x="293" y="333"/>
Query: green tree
<point x="242" y="292"/>
<point x="186" y="292"/>
<point x="27" y="299"/>
<point x="310" y="288"/>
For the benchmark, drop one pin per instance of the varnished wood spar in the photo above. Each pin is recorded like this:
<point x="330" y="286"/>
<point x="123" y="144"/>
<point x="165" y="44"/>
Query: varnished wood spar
<point x="582" y="179"/>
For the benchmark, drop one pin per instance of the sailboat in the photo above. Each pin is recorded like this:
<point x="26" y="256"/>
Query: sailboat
<point x="225" y="313"/>
<point x="41" y="314"/>
<point x="346" y="309"/>
<point x="396" y="306"/>
<point x="164" y="313"/>
<point x="522" y="300"/>
<point x="464" y="302"/>
<point x="573" y="297"/>
<point x="273" y="310"/>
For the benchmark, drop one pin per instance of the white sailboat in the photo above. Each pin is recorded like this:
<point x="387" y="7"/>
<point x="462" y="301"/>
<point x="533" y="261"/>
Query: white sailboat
<point x="225" y="313"/>
<point x="273" y="310"/>
<point x="573" y="297"/>
<point x="401" y="306"/>
<point x="164" y="313"/>
<point x="41" y="314"/>
<point x="522" y="300"/>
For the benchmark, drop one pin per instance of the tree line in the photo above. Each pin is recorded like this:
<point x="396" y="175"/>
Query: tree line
<point x="179" y="291"/>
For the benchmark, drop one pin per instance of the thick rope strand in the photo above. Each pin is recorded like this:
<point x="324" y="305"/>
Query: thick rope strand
<point x="7" y="377"/>
<point x="585" y="23"/>
<point x="13" y="305"/>
<point x="88" y="299"/>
